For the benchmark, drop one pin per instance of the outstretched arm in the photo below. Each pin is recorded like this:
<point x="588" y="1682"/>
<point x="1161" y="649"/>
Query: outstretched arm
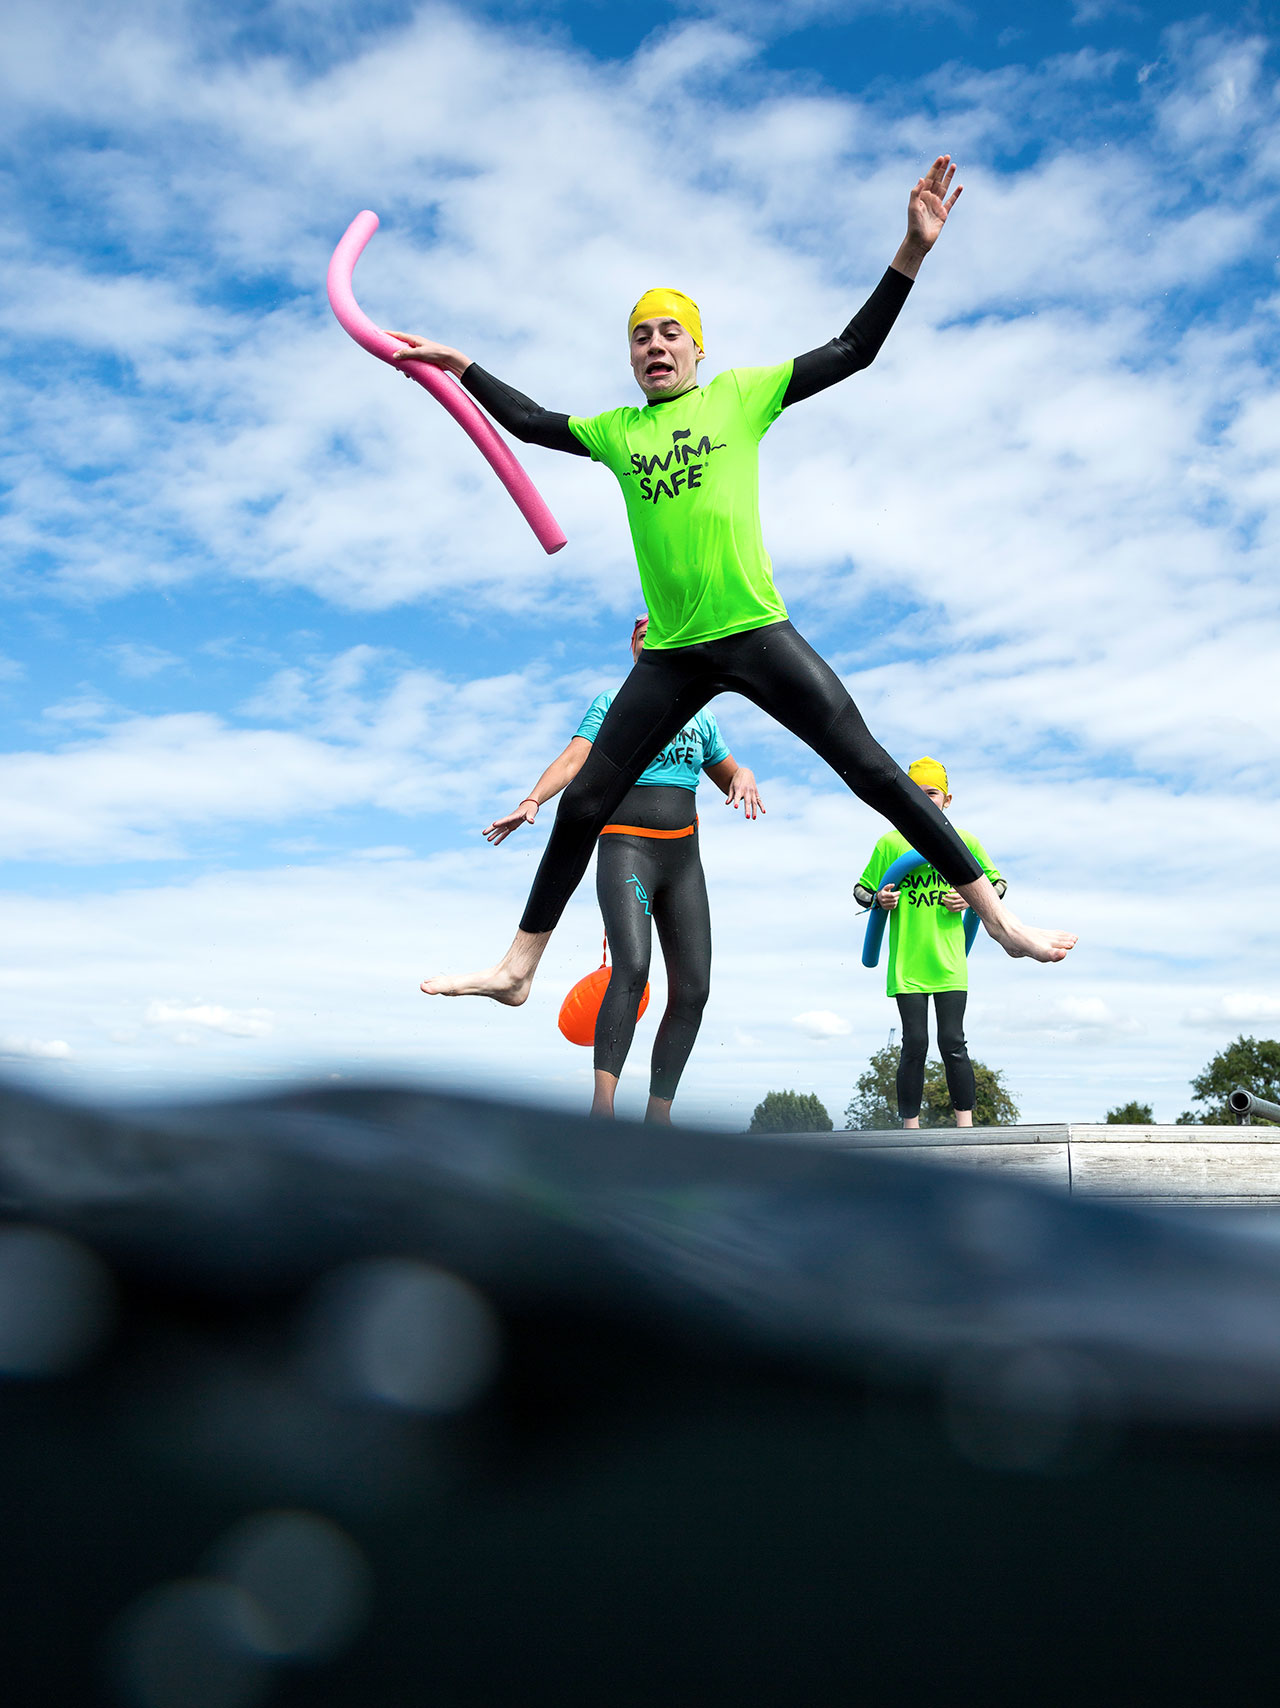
<point x="558" y="775"/>
<point x="859" y="344"/>
<point x="511" y="409"/>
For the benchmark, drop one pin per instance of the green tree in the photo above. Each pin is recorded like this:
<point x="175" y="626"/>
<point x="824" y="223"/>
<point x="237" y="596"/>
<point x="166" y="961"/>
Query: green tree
<point x="1253" y="1063"/>
<point x="790" y="1112"/>
<point x="874" y="1105"/>
<point x="1132" y="1114"/>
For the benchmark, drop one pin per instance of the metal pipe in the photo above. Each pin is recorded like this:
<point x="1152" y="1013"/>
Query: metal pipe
<point x="1244" y="1104"/>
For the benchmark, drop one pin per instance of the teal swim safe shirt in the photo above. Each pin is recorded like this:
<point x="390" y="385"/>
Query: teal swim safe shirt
<point x="680" y="762"/>
<point x="689" y="469"/>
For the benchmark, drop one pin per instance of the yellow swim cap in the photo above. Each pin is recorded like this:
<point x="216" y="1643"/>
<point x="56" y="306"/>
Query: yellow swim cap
<point x="929" y="773"/>
<point x="668" y="305"/>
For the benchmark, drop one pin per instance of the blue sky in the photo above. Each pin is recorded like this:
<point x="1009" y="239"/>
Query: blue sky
<point x="275" y="644"/>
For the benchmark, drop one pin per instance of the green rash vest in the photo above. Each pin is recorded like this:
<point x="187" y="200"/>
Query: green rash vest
<point x="689" y="472"/>
<point x="926" y="941"/>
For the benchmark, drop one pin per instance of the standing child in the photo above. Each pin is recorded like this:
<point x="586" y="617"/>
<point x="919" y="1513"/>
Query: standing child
<point x="927" y="955"/>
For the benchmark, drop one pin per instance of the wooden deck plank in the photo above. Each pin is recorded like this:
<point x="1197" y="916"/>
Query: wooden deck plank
<point x="1153" y="1170"/>
<point x="941" y="1138"/>
<point x="1047" y="1164"/>
<point x="1082" y="1133"/>
<point x="1229" y="1167"/>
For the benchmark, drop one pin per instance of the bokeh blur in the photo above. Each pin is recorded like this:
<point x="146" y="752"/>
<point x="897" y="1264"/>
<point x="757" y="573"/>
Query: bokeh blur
<point x="380" y="1397"/>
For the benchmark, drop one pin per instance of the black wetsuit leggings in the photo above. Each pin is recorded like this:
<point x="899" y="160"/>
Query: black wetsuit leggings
<point x="778" y="670"/>
<point x="914" y="1009"/>
<point x="643" y="881"/>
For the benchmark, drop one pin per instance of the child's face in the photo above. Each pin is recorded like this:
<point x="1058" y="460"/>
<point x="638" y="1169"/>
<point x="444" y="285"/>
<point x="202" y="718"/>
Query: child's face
<point x="940" y="799"/>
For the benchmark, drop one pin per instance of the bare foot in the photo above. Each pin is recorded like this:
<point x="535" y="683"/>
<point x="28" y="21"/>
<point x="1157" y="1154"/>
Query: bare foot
<point x="497" y="982"/>
<point x="1016" y="939"/>
<point x="507" y="983"/>
<point x="1029" y="941"/>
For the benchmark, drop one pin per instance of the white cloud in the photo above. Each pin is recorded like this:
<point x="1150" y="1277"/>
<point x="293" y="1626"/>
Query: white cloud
<point x="372" y="734"/>
<point x="210" y="1017"/>
<point x="34" y="1049"/>
<point x="1086" y="12"/>
<point x="821" y="1023"/>
<point x="770" y="17"/>
<point x="140" y="661"/>
<point x="1236" y="1008"/>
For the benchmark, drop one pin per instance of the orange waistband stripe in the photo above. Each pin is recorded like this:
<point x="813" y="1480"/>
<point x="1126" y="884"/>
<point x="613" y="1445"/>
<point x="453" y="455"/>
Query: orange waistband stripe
<point x="639" y="830"/>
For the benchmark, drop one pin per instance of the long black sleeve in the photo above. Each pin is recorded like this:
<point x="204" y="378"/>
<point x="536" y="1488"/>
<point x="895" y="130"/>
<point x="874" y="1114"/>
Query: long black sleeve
<point x="520" y="414"/>
<point x="856" y="347"/>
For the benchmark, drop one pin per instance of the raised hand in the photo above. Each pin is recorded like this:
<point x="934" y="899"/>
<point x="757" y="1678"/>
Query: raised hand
<point x="929" y="204"/>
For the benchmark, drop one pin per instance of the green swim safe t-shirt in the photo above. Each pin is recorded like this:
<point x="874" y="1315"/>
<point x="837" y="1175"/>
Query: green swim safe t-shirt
<point x="926" y="941"/>
<point x="689" y="471"/>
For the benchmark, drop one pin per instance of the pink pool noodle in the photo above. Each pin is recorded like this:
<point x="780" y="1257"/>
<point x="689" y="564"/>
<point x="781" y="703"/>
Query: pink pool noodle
<point x="442" y="386"/>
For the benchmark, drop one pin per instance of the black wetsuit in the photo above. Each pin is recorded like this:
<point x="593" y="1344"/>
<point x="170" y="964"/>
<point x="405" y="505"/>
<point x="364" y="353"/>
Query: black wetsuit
<point x="914" y="1008"/>
<point x="772" y="666"/>
<point x="644" y="881"/>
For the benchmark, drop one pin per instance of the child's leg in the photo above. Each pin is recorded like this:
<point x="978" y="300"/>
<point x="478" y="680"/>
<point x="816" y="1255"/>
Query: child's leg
<point x="952" y="1048"/>
<point x="915" y="1047"/>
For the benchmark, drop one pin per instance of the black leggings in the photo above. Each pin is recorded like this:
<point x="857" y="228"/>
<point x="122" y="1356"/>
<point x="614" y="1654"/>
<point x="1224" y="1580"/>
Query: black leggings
<point x="778" y="670"/>
<point x="644" y="881"/>
<point x="914" y="1009"/>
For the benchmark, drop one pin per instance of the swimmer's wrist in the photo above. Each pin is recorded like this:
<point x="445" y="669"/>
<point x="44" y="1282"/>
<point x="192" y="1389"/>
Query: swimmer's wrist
<point x="910" y="256"/>
<point x="453" y="361"/>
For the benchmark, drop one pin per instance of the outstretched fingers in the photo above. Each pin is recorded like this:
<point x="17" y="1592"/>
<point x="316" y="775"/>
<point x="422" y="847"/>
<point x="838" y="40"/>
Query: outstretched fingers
<point x="940" y="174"/>
<point x="939" y="179"/>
